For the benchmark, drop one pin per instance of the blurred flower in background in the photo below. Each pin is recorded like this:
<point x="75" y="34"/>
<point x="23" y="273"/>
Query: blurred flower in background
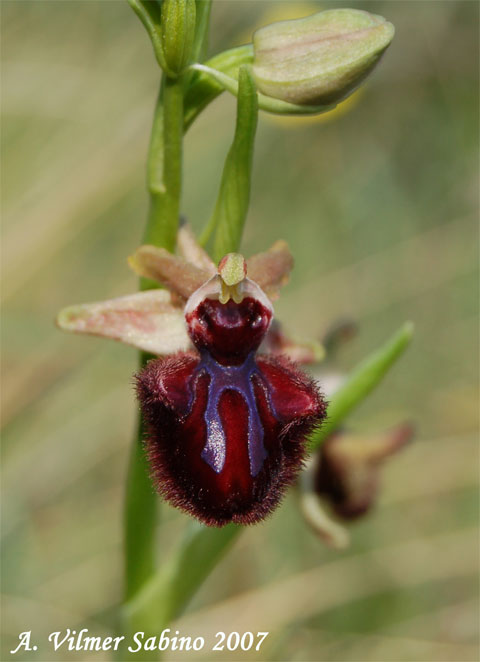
<point x="347" y="472"/>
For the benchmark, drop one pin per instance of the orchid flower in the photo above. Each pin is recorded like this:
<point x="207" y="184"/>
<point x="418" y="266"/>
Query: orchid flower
<point x="227" y="429"/>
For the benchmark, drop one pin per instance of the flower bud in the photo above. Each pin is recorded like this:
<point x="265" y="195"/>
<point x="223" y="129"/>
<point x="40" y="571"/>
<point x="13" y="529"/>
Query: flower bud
<point x="319" y="59"/>
<point x="177" y="34"/>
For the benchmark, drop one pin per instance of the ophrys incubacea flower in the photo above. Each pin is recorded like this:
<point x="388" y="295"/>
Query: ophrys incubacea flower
<point x="227" y="427"/>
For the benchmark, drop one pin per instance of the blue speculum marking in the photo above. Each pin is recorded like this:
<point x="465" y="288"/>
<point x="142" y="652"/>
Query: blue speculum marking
<point x="236" y="378"/>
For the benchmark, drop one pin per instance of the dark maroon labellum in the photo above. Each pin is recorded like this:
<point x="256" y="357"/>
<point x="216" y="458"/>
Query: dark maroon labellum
<point x="227" y="429"/>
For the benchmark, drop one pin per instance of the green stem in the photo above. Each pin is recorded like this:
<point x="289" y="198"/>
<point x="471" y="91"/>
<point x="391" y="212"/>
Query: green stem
<point x="164" y="173"/>
<point x="164" y="168"/>
<point x="140" y="519"/>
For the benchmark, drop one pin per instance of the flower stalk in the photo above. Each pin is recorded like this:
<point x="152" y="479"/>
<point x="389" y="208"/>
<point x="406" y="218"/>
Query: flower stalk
<point x="164" y="176"/>
<point x="140" y="519"/>
<point x="164" y="183"/>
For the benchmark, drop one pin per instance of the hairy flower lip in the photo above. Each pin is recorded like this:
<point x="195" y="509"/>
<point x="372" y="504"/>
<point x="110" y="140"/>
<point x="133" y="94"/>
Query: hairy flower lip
<point x="176" y="422"/>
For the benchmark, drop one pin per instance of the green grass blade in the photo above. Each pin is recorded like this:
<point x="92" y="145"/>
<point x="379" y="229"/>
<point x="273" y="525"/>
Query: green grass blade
<point x="361" y="382"/>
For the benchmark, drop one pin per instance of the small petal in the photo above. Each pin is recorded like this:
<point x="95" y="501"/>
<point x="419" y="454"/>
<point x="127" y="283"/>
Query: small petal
<point x="146" y="320"/>
<point x="270" y="270"/>
<point x="278" y="343"/>
<point x="174" y="272"/>
<point x="192" y="252"/>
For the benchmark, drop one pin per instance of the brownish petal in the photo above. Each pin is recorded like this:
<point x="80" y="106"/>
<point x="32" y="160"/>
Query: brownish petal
<point x="173" y="271"/>
<point x="278" y="343"/>
<point x="147" y="320"/>
<point x="272" y="268"/>
<point x="192" y="252"/>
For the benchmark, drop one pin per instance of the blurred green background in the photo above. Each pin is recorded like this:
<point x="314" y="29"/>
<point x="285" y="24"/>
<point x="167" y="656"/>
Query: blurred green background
<point x="378" y="202"/>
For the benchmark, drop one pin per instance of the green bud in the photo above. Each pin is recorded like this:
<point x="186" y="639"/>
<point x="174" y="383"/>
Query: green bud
<point x="319" y="59"/>
<point x="177" y="34"/>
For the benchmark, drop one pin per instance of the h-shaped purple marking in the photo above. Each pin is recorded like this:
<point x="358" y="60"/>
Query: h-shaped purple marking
<point x="236" y="378"/>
